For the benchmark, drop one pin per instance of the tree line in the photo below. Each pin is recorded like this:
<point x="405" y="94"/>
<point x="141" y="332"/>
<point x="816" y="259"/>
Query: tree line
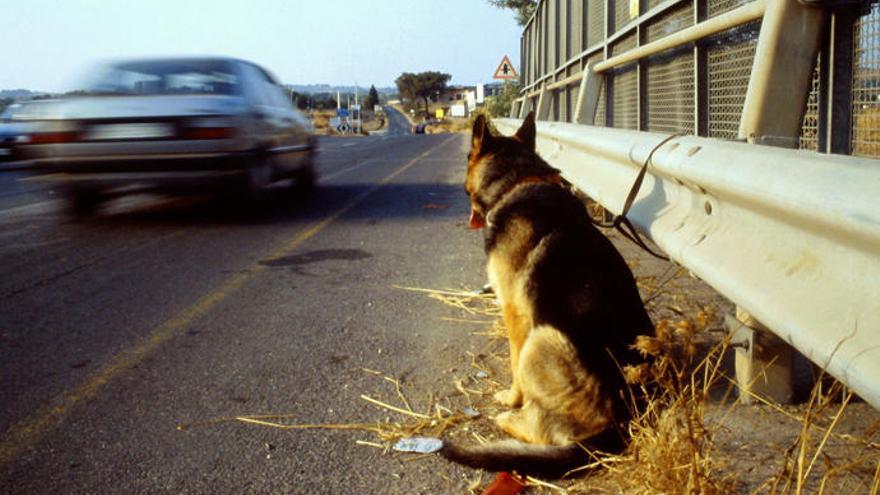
<point x="327" y="101"/>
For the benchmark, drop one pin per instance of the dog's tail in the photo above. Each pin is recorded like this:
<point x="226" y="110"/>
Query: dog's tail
<point x="550" y="461"/>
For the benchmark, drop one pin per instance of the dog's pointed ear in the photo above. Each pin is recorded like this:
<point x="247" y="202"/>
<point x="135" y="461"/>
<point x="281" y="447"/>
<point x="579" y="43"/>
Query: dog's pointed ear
<point x="526" y="132"/>
<point x="481" y="138"/>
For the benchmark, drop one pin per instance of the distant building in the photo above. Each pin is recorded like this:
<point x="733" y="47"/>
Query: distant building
<point x="493" y="89"/>
<point x="454" y="94"/>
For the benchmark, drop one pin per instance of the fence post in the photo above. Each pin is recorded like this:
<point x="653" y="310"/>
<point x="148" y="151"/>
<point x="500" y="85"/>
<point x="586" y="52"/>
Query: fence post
<point x="542" y="112"/>
<point x="791" y="35"/>
<point x="838" y="81"/>
<point x="588" y="96"/>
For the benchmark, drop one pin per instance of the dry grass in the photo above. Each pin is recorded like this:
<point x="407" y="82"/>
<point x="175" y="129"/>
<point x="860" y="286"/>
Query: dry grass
<point x="449" y="125"/>
<point x="671" y="450"/>
<point x="321" y="121"/>
<point x="812" y="464"/>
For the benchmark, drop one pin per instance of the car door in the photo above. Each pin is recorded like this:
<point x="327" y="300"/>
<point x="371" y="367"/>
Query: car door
<point x="262" y="117"/>
<point x="291" y="144"/>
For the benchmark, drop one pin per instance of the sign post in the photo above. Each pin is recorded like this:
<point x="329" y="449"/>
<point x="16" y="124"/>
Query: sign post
<point x="342" y="116"/>
<point x="356" y="117"/>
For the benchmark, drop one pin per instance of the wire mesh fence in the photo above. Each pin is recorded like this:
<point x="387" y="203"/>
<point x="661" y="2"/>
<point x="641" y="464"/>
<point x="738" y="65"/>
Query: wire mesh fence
<point x="595" y="22"/>
<point x="717" y="7"/>
<point x="700" y="86"/>
<point x="669" y="23"/>
<point x="866" y="85"/>
<point x="625" y="98"/>
<point x="623" y="13"/>
<point x="730" y="58"/>
<point x="670" y="92"/>
<point x="809" y="138"/>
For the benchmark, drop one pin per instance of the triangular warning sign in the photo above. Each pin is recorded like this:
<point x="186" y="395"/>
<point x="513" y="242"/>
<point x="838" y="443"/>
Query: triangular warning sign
<point x="505" y="70"/>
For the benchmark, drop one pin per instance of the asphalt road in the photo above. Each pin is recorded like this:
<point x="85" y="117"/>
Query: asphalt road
<point x="397" y="123"/>
<point x="161" y="312"/>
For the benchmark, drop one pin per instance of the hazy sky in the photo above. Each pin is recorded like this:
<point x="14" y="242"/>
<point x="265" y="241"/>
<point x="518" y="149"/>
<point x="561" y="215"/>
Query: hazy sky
<point x="47" y="44"/>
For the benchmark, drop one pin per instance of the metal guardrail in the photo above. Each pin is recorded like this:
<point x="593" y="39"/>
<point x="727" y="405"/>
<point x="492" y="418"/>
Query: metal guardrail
<point x="759" y="224"/>
<point x="792" y="237"/>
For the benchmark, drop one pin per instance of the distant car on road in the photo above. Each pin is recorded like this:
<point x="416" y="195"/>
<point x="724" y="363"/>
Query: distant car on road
<point x="420" y="128"/>
<point x="175" y="125"/>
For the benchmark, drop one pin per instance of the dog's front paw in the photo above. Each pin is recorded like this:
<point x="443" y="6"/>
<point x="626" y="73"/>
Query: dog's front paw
<point x="511" y="397"/>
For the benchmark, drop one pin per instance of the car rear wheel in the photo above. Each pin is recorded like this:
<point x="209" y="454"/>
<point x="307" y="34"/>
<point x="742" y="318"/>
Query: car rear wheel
<point x="82" y="202"/>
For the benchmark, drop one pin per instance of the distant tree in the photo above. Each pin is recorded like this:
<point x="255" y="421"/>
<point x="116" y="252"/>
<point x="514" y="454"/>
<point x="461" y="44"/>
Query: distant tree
<point x="324" y="101"/>
<point x="372" y="98"/>
<point x="300" y="100"/>
<point x="499" y="105"/>
<point x="423" y="85"/>
<point x="524" y="8"/>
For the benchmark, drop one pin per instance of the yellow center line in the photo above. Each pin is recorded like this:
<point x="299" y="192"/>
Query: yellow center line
<point x="27" y="432"/>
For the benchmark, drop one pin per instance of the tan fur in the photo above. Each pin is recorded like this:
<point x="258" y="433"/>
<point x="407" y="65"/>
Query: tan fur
<point x="503" y="268"/>
<point x="560" y="400"/>
<point x="570" y="306"/>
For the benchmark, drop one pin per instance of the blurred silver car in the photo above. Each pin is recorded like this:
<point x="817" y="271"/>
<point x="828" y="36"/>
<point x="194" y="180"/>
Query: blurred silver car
<point x="17" y="122"/>
<point x="173" y="125"/>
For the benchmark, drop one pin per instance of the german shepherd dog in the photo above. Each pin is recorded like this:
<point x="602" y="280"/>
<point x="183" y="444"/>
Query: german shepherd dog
<point x="570" y="306"/>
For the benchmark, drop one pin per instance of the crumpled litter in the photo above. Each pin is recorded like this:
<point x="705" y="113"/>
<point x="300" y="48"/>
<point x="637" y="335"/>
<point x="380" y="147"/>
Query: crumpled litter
<point x="471" y="412"/>
<point x="421" y="445"/>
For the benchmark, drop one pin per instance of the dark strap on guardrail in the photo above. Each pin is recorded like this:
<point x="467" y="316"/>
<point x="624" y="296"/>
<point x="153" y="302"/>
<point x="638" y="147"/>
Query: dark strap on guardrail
<point x="621" y="222"/>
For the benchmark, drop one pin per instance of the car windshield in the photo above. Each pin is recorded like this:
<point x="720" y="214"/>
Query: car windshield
<point x="164" y="77"/>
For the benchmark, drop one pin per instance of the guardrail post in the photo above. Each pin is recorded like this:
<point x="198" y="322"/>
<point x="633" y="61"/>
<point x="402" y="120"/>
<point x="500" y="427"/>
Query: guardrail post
<point x="763" y="361"/>
<point x="789" y="42"/>
<point x="588" y="96"/>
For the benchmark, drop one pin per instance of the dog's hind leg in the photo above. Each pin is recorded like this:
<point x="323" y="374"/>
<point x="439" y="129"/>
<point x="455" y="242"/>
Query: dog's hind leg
<point x="523" y="424"/>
